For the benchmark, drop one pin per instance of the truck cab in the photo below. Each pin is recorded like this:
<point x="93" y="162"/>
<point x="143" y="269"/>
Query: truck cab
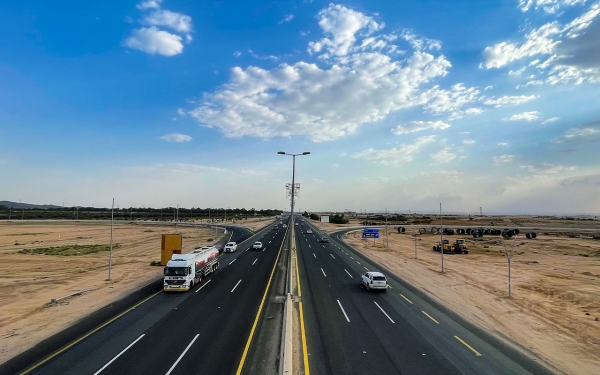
<point x="180" y="273"/>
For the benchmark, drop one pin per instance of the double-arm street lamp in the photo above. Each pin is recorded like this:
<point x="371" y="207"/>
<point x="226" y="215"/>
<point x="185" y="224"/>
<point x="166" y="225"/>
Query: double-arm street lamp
<point x="293" y="176"/>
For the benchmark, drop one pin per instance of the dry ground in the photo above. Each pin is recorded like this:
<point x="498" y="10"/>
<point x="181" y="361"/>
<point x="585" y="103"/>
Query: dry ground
<point x="555" y="287"/>
<point x="28" y="282"/>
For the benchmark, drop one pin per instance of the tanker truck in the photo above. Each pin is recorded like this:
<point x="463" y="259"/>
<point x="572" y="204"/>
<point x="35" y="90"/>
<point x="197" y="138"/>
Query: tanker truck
<point x="184" y="271"/>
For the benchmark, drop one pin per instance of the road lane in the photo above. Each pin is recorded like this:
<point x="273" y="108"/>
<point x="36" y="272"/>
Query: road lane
<point x="409" y="340"/>
<point x="170" y="321"/>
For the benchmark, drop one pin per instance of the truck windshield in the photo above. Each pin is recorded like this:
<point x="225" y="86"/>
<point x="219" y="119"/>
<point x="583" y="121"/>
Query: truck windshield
<point x="175" y="271"/>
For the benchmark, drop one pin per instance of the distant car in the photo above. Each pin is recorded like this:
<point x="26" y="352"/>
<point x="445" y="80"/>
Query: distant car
<point x="257" y="246"/>
<point x="308" y="231"/>
<point x="324" y="239"/>
<point x="285" y="226"/>
<point x="230" y="247"/>
<point x="275" y="228"/>
<point x="296" y="223"/>
<point x="374" y="281"/>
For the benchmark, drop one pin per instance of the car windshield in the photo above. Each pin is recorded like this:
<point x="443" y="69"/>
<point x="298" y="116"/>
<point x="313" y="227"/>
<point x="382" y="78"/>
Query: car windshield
<point x="175" y="271"/>
<point x="379" y="278"/>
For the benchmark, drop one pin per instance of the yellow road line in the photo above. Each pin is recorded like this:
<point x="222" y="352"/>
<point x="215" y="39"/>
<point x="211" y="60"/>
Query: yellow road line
<point x="303" y="332"/>
<point x="262" y="302"/>
<point x="468" y="346"/>
<point x="429" y="316"/>
<point x="409" y="301"/>
<point x="84" y="337"/>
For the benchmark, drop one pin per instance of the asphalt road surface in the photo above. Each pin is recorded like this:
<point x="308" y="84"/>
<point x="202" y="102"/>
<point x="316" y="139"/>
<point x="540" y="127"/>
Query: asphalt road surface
<point x="203" y="331"/>
<point x="350" y="330"/>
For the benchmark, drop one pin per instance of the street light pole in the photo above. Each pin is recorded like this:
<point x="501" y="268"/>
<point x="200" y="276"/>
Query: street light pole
<point x="442" y="238"/>
<point x="293" y="193"/>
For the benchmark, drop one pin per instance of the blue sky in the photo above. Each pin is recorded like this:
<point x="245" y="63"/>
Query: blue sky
<point x="403" y="104"/>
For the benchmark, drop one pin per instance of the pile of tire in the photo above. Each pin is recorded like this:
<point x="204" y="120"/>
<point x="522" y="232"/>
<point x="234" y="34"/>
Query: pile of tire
<point x="531" y="235"/>
<point x="401" y="229"/>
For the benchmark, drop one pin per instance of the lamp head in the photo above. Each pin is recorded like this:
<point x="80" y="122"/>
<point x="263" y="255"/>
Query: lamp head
<point x="305" y="153"/>
<point x="281" y="153"/>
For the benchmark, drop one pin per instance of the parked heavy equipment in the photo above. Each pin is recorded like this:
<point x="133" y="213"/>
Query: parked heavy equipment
<point x="460" y="247"/>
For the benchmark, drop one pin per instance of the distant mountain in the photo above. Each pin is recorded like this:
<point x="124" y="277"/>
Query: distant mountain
<point x="27" y="205"/>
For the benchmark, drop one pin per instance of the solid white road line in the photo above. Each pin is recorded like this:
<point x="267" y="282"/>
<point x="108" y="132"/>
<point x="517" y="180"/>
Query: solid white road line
<point x="238" y="283"/>
<point x="118" y="355"/>
<point x="323" y="272"/>
<point x="384" y="312"/>
<point x="347" y="272"/>
<point x="182" y="354"/>
<point x="232" y="261"/>
<point x="254" y="261"/>
<point x="343" y="311"/>
<point x="197" y="290"/>
<point x="332" y="256"/>
<point x="314" y="255"/>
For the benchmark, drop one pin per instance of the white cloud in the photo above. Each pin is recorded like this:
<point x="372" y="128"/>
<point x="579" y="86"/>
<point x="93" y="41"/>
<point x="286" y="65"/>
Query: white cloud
<point x="464" y="133"/>
<point x="570" y="51"/>
<point x="468" y="142"/>
<point x="527" y="116"/>
<point x="334" y="98"/>
<point x="450" y="101"/>
<point x="509" y="100"/>
<point x="176" y="137"/>
<point x="342" y="24"/>
<point x="237" y="54"/>
<point x="488" y="88"/>
<point x="420" y="43"/>
<point x="517" y="72"/>
<point x="149" y="4"/>
<point x="176" y="21"/>
<point x="154" y="41"/>
<point x="588" y="132"/>
<point x="503" y="144"/>
<point x="415" y="126"/>
<point x="548" y="6"/>
<point x="263" y="57"/>
<point x="547" y="168"/>
<point x="444" y="156"/>
<point x="181" y="112"/>
<point x="395" y="156"/>
<point x="551" y="119"/>
<point x="503" y="159"/>
<point x="286" y="18"/>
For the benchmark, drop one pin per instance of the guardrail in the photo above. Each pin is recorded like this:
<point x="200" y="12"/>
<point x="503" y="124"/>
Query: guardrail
<point x="54" y="301"/>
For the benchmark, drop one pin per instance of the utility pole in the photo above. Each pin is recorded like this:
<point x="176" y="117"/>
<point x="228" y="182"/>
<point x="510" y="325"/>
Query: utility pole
<point x="9" y="212"/>
<point x="386" y="230"/>
<point x="442" y="238"/>
<point x="415" y="246"/>
<point x="130" y="213"/>
<point x="23" y="213"/>
<point x="111" y="237"/>
<point x="176" y="217"/>
<point x="509" y="255"/>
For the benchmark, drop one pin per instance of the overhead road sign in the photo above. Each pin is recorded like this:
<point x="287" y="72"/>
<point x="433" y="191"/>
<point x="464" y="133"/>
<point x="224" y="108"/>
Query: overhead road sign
<point x="370" y="233"/>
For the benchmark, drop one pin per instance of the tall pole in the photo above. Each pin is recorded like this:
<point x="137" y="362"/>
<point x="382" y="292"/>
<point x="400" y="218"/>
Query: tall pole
<point x="177" y="217"/>
<point x="442" y="238"/>
<point x="415" y="247"/>
<point x="386" y="230"/>
<point x="9" y="212"/>
<point x="111" y="237"/>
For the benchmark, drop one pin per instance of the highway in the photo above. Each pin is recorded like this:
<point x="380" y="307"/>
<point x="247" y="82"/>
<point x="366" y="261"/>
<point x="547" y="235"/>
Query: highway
<point x="203" y="331"/>
<point x="352" y="331"/>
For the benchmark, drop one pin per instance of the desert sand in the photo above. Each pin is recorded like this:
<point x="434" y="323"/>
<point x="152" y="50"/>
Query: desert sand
<point x="29" y="281"/>
<point x="555" y="304"/>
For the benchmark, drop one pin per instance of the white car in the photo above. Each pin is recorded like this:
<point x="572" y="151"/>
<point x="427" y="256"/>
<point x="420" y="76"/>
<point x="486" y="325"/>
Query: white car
<point x="308" y="231"/>
<point x="257" y="246"/>
<point x="284" y="225"/>
<point x="374" y="281"/>
<point x="230" y="247"/>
